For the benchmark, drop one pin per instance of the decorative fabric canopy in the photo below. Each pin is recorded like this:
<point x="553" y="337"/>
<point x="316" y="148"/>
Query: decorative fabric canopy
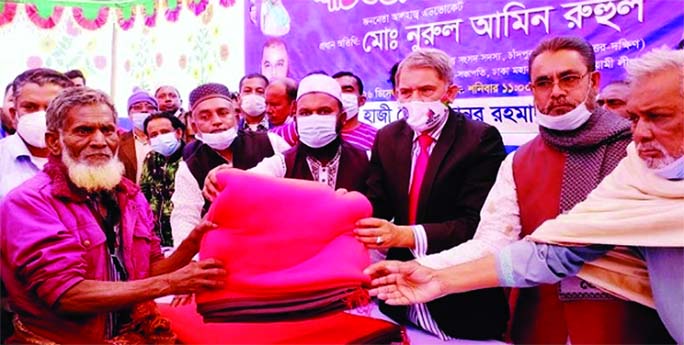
<point x="92" y="15"/>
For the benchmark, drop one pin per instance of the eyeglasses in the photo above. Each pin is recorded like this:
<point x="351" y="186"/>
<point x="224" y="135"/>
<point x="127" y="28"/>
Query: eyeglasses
<point x="566" y="82"/>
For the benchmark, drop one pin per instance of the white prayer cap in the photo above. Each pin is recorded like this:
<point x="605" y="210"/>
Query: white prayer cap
<point x="319" y="83"/>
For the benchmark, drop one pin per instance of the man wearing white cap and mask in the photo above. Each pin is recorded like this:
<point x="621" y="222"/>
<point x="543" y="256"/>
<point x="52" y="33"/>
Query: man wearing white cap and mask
<point x="24" y="153"/>
<point x="321" y="154"/>
<point x="218" y="142"/>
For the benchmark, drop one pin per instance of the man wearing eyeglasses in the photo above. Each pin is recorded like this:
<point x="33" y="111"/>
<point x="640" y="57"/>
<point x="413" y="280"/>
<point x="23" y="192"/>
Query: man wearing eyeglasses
<point x="578" y="144"/>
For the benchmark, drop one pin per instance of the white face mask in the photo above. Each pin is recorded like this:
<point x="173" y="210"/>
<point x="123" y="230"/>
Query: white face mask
<point x="424" y="116"/>
<point x="138" y="120"/>
<point x="218" y="141"/>
<point x="569" y="121"/>
<point x="32" y="127"/>
<point x="253" y="104"/>
<point x="317" y="130"/>
<point x="350" y="102"/>
<point x="165" y="144"/>
<point x="566" y="122"/>
<point x="672" y="171"/>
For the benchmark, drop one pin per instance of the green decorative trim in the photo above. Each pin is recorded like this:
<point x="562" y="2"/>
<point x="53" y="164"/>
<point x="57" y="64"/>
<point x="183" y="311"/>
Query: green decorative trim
<point x="90" y="8"/>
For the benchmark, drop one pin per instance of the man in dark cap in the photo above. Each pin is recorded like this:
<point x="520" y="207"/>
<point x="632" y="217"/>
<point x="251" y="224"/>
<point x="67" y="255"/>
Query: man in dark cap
<point x="218" y="142"/>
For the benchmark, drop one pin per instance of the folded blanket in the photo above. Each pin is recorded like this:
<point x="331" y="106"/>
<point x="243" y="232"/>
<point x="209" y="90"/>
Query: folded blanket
<point x="288" y="247"/>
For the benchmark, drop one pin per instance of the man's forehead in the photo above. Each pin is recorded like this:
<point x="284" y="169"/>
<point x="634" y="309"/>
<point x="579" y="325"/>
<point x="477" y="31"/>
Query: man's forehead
<point x="662" y="89"/>
<point x="615" y="91"/>
<point x="551" y="63"/>
<point x="213" y="103"/>
<point x="316" y="100"/>
<point x="167" y="89"/>
<point x="254" y="82"/>
<point x="276" y="89"/>
<point x="96" y="114"/>
<point x="275" y="52"/>
<point x="49" y="90"/>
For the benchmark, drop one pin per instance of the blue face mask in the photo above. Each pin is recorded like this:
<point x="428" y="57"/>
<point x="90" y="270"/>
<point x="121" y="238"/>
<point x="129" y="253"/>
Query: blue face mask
<point x="165" y="144"/>
<point x="672" y="171"/>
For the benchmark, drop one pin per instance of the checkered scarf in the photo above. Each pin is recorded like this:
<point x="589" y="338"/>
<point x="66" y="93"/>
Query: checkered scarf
<point x="593" y="150"/>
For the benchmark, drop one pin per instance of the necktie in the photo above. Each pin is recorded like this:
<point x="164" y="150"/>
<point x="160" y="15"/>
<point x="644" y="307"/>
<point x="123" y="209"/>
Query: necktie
<point x="424" y="142"/>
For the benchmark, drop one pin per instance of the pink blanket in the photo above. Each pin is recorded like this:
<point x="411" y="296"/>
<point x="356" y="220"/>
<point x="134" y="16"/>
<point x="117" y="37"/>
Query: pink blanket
<point x="283" y="240"/>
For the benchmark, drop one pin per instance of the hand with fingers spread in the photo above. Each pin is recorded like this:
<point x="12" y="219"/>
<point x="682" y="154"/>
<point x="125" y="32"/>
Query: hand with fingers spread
<point x="196" y="277"/>
<point x="378" y="233"/>
<point x="403" y="283"/>
<point x="211" y="189"/>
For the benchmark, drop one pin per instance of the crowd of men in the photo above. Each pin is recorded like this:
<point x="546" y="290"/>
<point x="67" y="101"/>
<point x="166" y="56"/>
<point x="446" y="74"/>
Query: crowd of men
<point x="97" y="221"/>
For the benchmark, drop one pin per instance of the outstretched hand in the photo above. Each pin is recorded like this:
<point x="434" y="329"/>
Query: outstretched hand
<point x="403" y="283"/>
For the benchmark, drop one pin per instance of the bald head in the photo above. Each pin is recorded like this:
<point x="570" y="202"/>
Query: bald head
<point x="280" y="96"/>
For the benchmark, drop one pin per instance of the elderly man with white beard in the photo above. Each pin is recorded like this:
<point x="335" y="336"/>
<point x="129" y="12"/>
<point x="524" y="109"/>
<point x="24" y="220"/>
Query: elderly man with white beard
<point x="80" y="260"/>
<point x="640" y="205"/>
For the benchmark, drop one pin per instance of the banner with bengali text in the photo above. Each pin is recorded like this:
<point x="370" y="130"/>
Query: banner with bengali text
<point x="489" y="42"/>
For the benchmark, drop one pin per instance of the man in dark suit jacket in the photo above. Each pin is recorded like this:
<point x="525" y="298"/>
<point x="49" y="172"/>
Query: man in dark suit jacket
<point x="431" y="173"/>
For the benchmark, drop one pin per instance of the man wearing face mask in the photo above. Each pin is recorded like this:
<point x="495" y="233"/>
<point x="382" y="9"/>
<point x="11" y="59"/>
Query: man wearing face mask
<point x="578" y="145"/>
<point x="431" y="173"/>
<point x="165" y="131"/>
<point x="24" y="153"/>
<point x="354" y="131"/>
<point x="639" y="204"/>
<point x="214" y="119"/>
<point x="321" y="154"/>
<point x="253" y="103"/>
<point x="134" y="144"/>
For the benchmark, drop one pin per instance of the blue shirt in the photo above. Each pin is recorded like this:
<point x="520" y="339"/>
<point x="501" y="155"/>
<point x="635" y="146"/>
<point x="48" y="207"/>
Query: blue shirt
<point x="16" y="164"/>
<point x="525" y="263"/>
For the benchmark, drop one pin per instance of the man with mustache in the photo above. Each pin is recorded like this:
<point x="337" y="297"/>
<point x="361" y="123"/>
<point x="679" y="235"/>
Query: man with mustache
<point x="79" y="255"/>
<point x="640" y="205"/>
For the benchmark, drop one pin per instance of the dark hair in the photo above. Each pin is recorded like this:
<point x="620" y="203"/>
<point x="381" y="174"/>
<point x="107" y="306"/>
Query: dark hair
<point x="169" y="115"/>
<point x="75" y="73"/>
<point x="393" y="75"/>
<point x="575" y="43"/>
<point x="359" y="83"/>
<point x="173" y="87"/>
<point x="40" y="76"/>
<point x="252" y="76"/>
<point x="320" y="71"/>
<point x="680" y="46"/>
<point x="290" y="87"/>
<point x="7" y="88"/>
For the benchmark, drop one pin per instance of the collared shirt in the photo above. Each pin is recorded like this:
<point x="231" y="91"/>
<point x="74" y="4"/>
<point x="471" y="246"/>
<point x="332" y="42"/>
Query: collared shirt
<point x="16" y="164"/>
<point x="287" y="131"/>
<point x="525" y="263"/>
<point x="262" y="126"/>
<point x="499" y="224"/>
<point x="419" y="313"/>
<point x="362" y="136"/>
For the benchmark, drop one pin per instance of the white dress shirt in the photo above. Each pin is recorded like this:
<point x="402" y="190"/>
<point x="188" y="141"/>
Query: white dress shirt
<point x="499" y="224"/>
<point x="16" y="163"/>
<point x="187" y="197"/>
<point x="419" y="313"/>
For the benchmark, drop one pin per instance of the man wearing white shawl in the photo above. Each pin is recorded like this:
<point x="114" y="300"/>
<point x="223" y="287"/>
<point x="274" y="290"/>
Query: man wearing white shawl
<point x="640" y="205"/>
